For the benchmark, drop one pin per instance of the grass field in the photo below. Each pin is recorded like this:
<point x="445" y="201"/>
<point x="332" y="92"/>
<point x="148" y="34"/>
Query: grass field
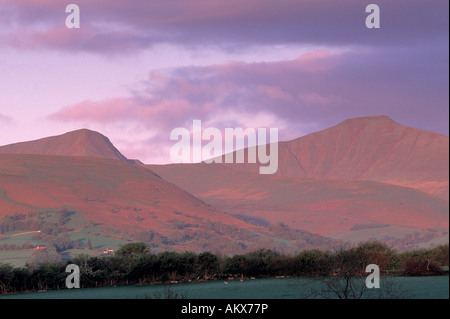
<point x="80" y="233"/>
<point x="268" y="288"/>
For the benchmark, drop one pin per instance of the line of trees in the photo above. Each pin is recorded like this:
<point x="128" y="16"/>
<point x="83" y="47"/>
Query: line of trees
<point x="135" y="264"/>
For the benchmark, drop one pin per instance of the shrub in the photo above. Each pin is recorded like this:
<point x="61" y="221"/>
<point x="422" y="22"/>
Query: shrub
<point x="421" y="267"/>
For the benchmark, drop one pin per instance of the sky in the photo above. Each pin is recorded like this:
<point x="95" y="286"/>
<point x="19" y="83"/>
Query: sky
<point x="136" y="70"/>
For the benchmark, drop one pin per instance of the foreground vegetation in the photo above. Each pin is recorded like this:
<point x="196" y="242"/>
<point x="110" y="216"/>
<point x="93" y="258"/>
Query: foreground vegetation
<point x="136" y="264"/>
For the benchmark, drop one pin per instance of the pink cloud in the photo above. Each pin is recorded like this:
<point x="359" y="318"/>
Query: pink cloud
<point x="177" y="97"/>
<point x="315" y="87"/>
<point x="88" y="38"/>
<point x="101" y="111"/>
<point x="5" y="119"/>
<point x="155" y="114"/>
<point x="59" y="37"/>
<point x="274" y="93"/>
<point x="317" y="61"/>
<point x="301" y="95"/>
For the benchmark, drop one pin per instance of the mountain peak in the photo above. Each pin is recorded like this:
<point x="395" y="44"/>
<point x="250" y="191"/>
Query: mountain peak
<point x="371" y="125"/>
<point x="82" y="142"/>
<point x="82" y="131"/>
<point x="373" y="148"/>
<point x="372" y="118"/>
<point x="376" y="120"/>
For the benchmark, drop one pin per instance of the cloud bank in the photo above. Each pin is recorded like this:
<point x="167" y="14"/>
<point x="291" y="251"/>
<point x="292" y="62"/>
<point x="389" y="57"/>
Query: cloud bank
<point x="315" y="90"/>
<point x="116" y="26"/>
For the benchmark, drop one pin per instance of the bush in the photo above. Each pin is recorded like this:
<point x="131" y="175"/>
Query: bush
<point x="312" y="262"/>
<point x="421" y="267"/>
<point x="133" y="249"/>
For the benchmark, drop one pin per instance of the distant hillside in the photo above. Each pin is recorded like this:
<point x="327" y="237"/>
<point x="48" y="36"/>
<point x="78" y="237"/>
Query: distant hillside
<point x="344" y="209"/>
<point x="114" y="202"/>
<point x="342" y="182"/>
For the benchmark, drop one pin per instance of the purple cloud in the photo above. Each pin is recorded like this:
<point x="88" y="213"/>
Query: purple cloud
<point x="314" y="91"/>
<point x="230" y="24"/>
<point x="400" y="70"/>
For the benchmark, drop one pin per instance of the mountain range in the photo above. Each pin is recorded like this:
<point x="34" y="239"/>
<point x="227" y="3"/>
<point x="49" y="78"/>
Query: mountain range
<point x="365" y="178"/>
<point x="372" y="148"/>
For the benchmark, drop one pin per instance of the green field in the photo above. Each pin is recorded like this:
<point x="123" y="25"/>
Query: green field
<point x="270" y="288"/>
<point x="99" y="241"/>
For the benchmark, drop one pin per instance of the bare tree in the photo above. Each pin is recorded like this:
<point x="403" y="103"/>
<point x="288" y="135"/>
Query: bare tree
<point x="346" y="278"/>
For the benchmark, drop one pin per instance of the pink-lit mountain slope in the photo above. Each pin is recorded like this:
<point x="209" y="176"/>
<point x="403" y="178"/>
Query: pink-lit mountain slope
<point x="363" y="178"/>
<point x="342" y="209"/>
<point x="84" y="142"/>
<point x="372" y="148"/>
<point x="112" y="202"/>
